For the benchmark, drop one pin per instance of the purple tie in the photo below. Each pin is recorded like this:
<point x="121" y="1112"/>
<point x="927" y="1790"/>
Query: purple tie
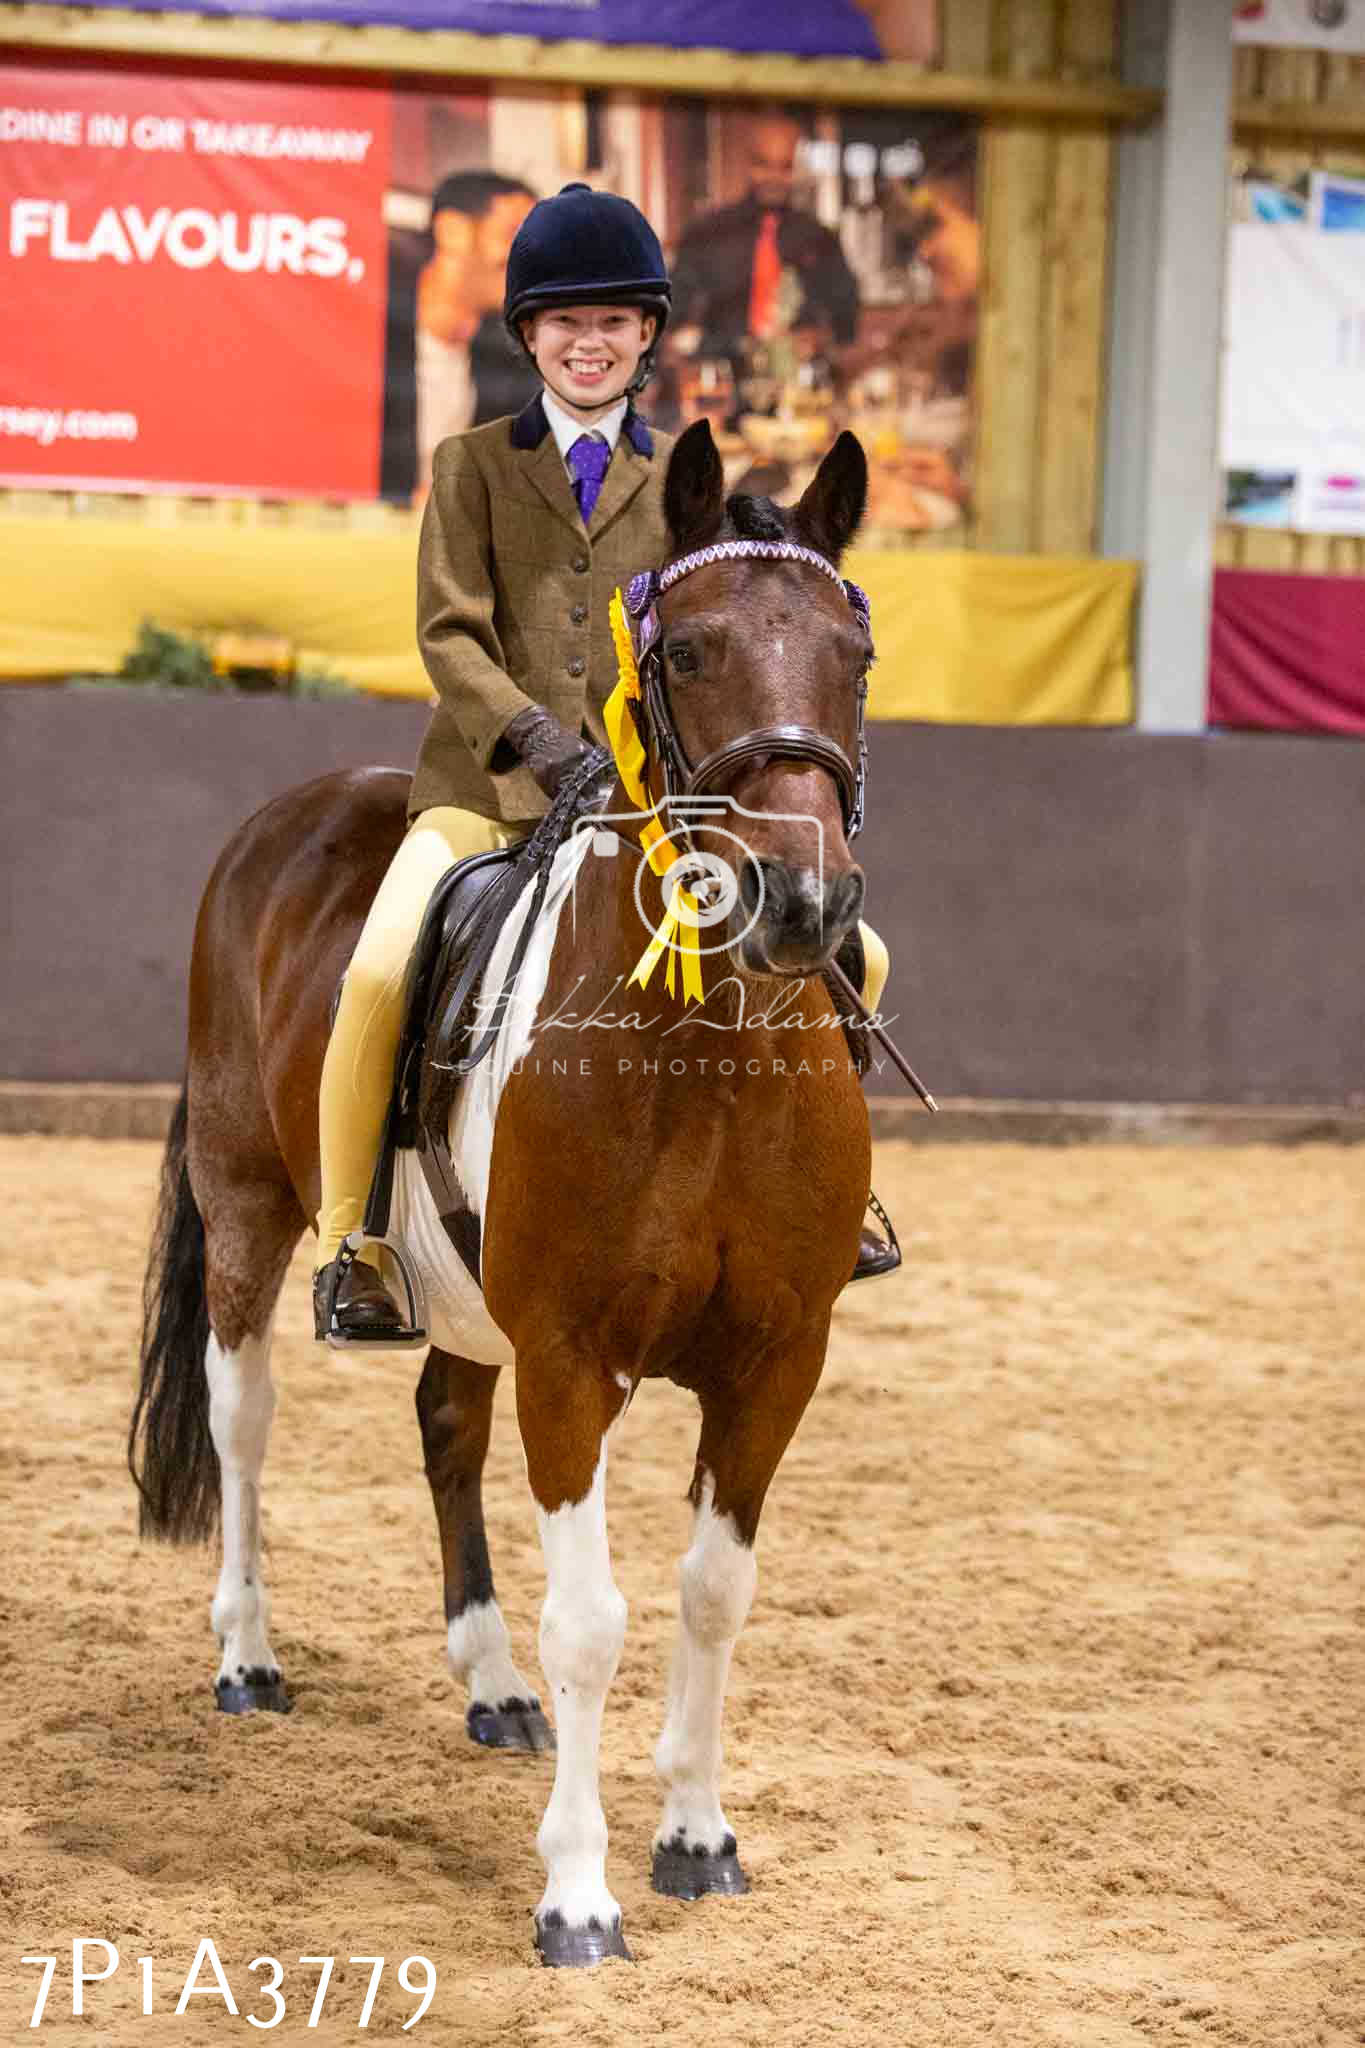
<point x="588" y="460"/>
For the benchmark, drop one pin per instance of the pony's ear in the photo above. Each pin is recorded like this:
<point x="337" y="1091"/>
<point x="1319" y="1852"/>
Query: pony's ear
<point x="694" y="490"/>
<point x="831" y="510"/>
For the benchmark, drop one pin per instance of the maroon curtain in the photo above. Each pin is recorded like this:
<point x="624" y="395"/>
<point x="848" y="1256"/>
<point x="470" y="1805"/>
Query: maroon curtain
<point x="1287" y="652"/>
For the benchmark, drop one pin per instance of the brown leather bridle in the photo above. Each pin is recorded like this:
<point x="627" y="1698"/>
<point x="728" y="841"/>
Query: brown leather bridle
<point x="783" y="742"/>
<point x="787" y="742"/>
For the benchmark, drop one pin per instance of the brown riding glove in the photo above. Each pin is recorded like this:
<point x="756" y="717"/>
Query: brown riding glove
<point x="536" y="737"/>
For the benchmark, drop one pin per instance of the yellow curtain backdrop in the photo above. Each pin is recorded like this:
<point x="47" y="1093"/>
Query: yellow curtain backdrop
<point x="961" y="638"/>
<point x="977" y="639"/>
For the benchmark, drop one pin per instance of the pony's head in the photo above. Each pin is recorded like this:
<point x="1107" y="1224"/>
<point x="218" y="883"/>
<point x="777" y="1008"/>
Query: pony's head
<point x="757" y="692"/>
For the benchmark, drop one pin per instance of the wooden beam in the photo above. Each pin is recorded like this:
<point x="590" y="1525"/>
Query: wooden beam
<point x="1019" y="163"/>
<point x="1076" y="303"/>
<point x="967" y="36"/>
<point x="1343" y="120"/>
<point x="449" y="53"/>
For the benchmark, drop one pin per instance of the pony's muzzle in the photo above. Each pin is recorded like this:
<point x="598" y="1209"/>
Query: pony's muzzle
<point x="797" y="921"/>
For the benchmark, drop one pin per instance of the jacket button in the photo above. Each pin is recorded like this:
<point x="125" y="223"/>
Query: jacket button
<point x="577" y="665"/>
<point x="578" y="614"/>
<point x="580" y="563"/>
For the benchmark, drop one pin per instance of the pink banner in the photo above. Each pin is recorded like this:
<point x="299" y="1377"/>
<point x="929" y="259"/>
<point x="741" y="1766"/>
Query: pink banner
<point x="1287" y="652"/>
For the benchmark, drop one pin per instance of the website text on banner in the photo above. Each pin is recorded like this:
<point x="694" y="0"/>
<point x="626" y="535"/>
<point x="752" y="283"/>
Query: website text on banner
<point x="1302" y="24"/>
<point x="298" y="291"/>
<point x="903" y="29"/>
<point x="201" y="268"/>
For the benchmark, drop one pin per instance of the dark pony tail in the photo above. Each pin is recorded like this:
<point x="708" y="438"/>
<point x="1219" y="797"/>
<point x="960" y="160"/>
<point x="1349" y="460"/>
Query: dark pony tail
<point x="177" y="1474"/>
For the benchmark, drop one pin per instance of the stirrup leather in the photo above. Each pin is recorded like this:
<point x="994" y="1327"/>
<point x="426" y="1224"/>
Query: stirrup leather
<point x="400" y="1336"/>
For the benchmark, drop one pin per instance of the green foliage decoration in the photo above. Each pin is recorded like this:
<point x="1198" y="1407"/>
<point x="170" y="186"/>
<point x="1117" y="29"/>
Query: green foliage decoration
<point x="164" y="660"/>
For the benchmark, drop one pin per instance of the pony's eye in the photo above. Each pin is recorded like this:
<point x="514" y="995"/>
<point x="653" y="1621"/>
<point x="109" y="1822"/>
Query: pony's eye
<point x="683" y="658"/>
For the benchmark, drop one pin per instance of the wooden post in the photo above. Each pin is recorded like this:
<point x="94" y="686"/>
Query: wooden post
<point x="1018" y="179"/>
<point x="1133" y="262"/>
<point x="1075" y="306"/>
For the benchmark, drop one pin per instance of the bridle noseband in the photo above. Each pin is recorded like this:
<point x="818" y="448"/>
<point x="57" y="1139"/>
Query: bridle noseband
<point x="786" y="742"/>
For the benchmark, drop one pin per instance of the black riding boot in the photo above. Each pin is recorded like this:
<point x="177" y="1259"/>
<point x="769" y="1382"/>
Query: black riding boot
<point x="876" y="1254"/>
<point x="356" y="1307"/>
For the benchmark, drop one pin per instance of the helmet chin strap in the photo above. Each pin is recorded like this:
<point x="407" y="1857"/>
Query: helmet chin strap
<point x="644" y="370"/>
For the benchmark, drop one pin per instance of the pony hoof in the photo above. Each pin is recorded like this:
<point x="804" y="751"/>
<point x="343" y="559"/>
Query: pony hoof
<point x="513" y="1724"/>
<point x="683" y="1873"/>
<point x="261" y="1692"/>
<point x="561" y="1947"/>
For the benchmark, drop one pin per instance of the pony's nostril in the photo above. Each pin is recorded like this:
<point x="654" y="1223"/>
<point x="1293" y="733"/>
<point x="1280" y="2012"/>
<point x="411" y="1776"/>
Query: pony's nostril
<point x="753" y="886"/>
<point x="844" y="899"/>
<point x="764" y="887"/>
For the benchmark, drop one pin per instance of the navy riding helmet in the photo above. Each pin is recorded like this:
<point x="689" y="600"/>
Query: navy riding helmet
<point x="586" y="248"/>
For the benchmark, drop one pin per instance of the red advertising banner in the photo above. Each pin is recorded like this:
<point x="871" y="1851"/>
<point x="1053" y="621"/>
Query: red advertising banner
<point x="295" y="289"/>
<point x="193" y="276"/>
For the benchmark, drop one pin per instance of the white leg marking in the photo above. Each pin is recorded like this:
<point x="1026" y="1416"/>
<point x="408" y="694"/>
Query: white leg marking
<point x="582" y="1628"/>
<point x="718" y="1577"/>
<point x="476" y="1645"/>
<point x="241" y="1403"/>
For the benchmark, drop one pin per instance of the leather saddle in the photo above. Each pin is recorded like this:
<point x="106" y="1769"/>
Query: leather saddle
<point x="440" y="1018"/>
<point x="449" y="1020"/>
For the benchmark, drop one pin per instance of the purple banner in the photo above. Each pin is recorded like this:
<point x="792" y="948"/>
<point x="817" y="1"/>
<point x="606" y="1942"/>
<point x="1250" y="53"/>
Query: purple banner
<point x="901" y="29"/>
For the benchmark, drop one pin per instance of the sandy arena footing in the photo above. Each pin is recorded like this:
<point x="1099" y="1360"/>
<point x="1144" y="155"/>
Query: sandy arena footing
<point x="1045" y="1728"/>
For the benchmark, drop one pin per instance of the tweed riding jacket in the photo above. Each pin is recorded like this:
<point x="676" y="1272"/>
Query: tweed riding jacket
<point x="512" y="597"/>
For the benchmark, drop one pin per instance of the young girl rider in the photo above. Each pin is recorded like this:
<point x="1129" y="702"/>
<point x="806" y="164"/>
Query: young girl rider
<point x="531" y="524"/>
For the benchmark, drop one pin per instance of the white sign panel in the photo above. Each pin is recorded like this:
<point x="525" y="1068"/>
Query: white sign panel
<point x="1302" y="24"/>
<point x="1293" y="426"/>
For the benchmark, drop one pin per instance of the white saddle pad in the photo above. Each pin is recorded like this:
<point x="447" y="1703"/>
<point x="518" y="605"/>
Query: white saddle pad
<point x="456" y="1315"/>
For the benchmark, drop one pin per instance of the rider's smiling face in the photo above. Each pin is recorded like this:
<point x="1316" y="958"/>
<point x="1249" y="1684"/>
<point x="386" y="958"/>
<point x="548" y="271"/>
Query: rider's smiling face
<point x="587" y="355"/>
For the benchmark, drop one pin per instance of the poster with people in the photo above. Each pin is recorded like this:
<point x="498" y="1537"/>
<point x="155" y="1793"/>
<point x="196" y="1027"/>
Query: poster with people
<point x="825" y="268"/>
<point x="296" y="288"/>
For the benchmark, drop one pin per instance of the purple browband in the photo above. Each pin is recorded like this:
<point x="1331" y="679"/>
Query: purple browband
<point x="737" y="550"/>
<point x="643" y="588"/>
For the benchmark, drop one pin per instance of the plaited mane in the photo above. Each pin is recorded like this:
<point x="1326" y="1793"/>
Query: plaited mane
<point x="753" y="519"/>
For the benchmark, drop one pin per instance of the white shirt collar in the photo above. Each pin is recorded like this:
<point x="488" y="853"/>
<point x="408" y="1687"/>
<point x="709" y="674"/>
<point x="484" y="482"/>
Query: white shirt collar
<point x="567" y="430"/>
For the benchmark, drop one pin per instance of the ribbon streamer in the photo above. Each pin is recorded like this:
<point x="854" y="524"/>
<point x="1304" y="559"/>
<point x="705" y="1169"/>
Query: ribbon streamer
<point x="675" y="933"/>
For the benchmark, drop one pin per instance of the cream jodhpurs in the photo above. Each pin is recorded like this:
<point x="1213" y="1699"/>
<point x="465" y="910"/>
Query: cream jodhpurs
<point x="357" y="1072"/>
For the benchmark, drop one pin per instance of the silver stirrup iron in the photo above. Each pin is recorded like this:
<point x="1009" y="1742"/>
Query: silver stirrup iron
<point x="416" y="1331"/>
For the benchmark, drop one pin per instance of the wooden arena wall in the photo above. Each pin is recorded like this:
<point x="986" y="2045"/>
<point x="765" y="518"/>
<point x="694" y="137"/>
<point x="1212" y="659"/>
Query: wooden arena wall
<point x="1046" y="211"/>
<point x="1042" y="74"/>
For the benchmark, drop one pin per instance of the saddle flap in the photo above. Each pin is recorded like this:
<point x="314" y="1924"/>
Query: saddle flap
<point x="464" y="902"/>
